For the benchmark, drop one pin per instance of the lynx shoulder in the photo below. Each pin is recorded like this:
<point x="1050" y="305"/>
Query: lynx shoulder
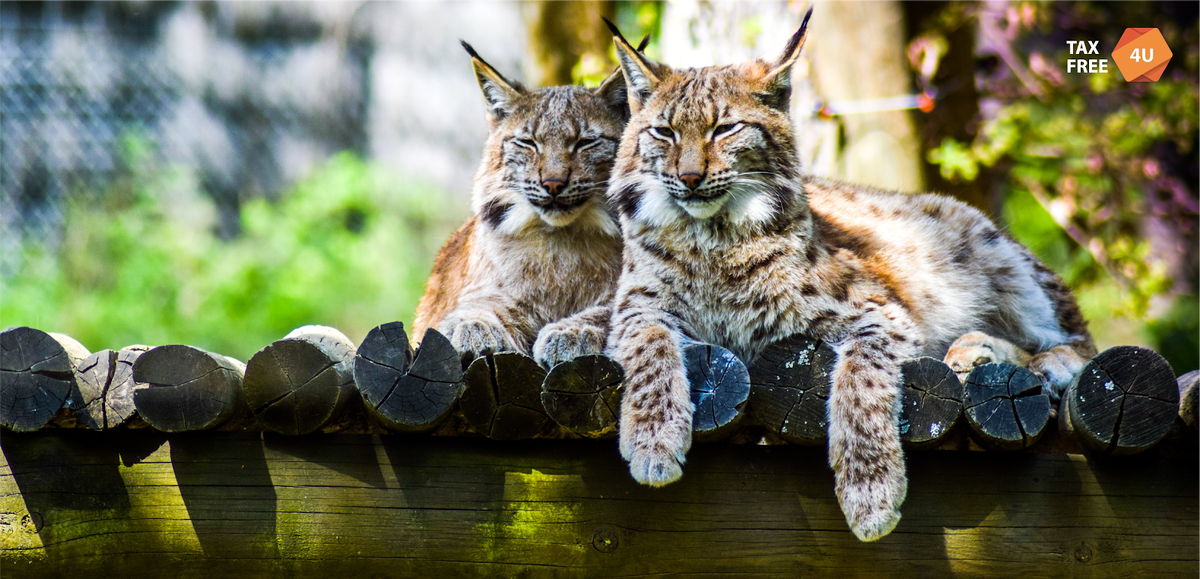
<point x="541" y="246"/>
<point x="726" y="241"/>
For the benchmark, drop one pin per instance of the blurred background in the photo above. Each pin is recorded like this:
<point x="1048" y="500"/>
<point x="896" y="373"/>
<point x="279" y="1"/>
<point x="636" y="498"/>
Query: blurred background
<point x="218" y="173"/>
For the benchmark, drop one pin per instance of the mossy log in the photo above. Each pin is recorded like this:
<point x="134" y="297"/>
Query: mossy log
<point x="1005" y="406"/>
<point x="1124" y="401"/>
<point x="584" y="395"/>
<point x="104" y="387"/>
<point x="403" y="390"/>
<point x="502" y="398"/>
<point x="301" y="382"/>
<point x="137" y="504"/>
<point x="189" y="388"/>
<point x="36" y="376"/>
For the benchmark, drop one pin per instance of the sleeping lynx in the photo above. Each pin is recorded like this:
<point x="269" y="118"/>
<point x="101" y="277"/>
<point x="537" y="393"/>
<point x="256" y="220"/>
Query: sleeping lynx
<point x="541" y="245"/>
<point x="727" y="242"/>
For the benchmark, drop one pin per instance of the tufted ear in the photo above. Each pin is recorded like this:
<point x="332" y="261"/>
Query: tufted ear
<point x="642" y="75"/>
<point x="613" y="89"/>
<point x="777" y="92"/>
<point x="498" y="92"/>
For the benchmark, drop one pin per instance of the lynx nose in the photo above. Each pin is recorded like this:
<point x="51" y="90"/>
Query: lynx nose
<point x="554" y="186"/>
<point x="692" y="180"/>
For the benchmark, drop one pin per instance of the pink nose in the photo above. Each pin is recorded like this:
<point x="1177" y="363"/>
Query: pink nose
<point x="554" y="187"/>
<point x="692" y="180"/>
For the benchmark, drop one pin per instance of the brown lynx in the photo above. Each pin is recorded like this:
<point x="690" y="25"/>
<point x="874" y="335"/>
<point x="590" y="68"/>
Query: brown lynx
<point x="542" y="247"/>
<point x="727" y="242"/>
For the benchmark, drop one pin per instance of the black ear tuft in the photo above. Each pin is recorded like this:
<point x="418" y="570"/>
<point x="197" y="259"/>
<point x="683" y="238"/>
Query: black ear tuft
<point x="470" y="49"/>
<point x="644" y="43"/>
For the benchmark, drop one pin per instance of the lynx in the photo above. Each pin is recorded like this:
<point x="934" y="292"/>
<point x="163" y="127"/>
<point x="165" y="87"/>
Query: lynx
<point x="542" y="251"/>
<point x="727" y="242"/>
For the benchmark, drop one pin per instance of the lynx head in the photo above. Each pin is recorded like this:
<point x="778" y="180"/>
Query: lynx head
<point x="708" y="145"/>
<point x="548" y="154"/>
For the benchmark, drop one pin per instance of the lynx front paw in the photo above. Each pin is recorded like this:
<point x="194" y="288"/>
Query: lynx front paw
<point x="476" y="337"/>
<point x="1057" y="367"/>
<point x="976" y="349"/>
<point x="558" y="343"/>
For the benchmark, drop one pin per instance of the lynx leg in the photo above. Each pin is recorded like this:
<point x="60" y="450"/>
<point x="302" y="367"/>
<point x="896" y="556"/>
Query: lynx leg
<point x="656" y="411"/>
<point x="977" y="348"/>
<point x="579" y="335"/>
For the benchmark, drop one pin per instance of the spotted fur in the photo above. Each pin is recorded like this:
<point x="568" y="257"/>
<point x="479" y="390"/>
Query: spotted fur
<point x="727" y="242"/>
<point x="534" y="269"/>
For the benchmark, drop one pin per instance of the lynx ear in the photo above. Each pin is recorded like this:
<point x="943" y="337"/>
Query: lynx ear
<point x="642" y="75"/>
<point x="498" y="92"/>
<point x="613" y="89"/>
<point x="778" y="82"/>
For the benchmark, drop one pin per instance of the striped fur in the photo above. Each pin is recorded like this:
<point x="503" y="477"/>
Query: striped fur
<point x="533" y="271"/>
<point x="727" y="242"/>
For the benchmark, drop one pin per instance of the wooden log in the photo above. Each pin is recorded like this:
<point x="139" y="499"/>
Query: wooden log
<point x="299" y="383"/>
<point x="36" y="376"/>
<point x="933" y="402"/>
<point x="1005" y="406"/>
<point x="1189" y="388"/>
<point x="189" y="388"/>
<point x="789" y="389"/>
<point x="720" y="386"/>
<point x="104" y="387"/>
<point x="403" y="391"/>
<point x="502" y="399"/>
<point x="584" y="395"/>
<point x="1124" y="401"/>
<point x="231" y="504"/>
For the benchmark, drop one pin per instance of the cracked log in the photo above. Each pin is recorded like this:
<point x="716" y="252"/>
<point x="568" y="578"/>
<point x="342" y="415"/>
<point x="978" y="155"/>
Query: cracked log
<point x="36" y="376"/>
<point x="584" y="395"/>
<point x="189" y="388"/>
<point x="502" y="398"/>
<point x="300" y="383"/>
<point x="405" y="391"/>
<point x="933" y="401"/>
<point x="104" y="387"/>
<point x="1005" y="406"/>
<point x="790" y="387"/>
<point x="1123" y="402"/>
<point x="720" y="388"/>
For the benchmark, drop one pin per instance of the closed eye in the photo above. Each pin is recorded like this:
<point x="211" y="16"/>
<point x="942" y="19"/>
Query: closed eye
<point x="663" y="133"/>
<point x="526" y="144"/>
<point x="726" y="129"/>
<point x="582" y="144"/>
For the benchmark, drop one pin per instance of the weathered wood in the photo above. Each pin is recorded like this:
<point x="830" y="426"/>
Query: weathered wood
<point x="189" y="388"/>
<point x="104" y="387"/>
<point x="584" y="395"/>
<point x="720" y="386"/>
<point x="403" y="391"/>
<point x="502" y="399"/>
<point x="1124" y="401"/>
<point x="1005" y="406"/>
<point x="195" y="506"/>
<point x="299" y="383"/>
<point x="1189" y="392"/>
<point x="790" y="387"/>
<point x="36" y="376"/>
<point x="933" y="402"/>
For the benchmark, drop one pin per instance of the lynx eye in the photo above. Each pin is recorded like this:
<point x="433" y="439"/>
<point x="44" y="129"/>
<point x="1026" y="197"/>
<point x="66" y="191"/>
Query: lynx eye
<point x="663" y="133"/>
<point x="582" y="144"/>
<point x="526" y="144"/>
<point x="726" y="129"/>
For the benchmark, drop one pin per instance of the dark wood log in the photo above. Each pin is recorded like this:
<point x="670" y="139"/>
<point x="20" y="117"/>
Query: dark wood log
<point x="502" y="398"/>
<point x="103" y="396"/>
<point x="139" y="504"/>
<point x="1005" y="406"/>
<point x="1189" y="388"/>
<point x="1124" y="401"/>
<point x="933" y="402"/>
<point x="189" y="388"/>
<point x="789" y="389"/>
<point x="36" y="376"/>
<point x="720" y="387"/>
<point x="299" y="383"/>
<point x="403" y="391"/>
<point x="584" y="395"/>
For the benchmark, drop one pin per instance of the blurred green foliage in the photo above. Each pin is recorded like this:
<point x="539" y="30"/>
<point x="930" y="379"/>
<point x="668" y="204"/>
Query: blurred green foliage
<point x="350" y="246"/>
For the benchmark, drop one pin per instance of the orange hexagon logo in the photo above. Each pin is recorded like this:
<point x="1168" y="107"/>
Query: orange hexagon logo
<point x="1142" y="54"/>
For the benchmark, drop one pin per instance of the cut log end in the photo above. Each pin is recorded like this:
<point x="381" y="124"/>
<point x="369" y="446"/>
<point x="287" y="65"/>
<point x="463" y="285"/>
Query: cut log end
<point x="720" y="387"/>
<point x="188" y="388"/>
<point x="405" y="391"/>
<point x="502" y="396"/>
<point x="584" y="395"/>
<point x="933" y="402"/>
<point x="300" y="383"/>
<point x="1124" y="402"/>
<point x="789" y="390"/>
<point x="36" y="376"/>
<point x="103" y="396"/>
<point x="1006" y="407"/>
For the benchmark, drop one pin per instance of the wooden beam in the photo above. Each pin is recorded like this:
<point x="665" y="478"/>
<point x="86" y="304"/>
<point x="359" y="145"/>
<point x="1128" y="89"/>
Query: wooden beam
<point x="221" y="504"/>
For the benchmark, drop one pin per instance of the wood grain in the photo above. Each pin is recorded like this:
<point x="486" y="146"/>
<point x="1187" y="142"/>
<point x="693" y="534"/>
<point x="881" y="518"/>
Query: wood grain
<point x="137" y="504"/>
